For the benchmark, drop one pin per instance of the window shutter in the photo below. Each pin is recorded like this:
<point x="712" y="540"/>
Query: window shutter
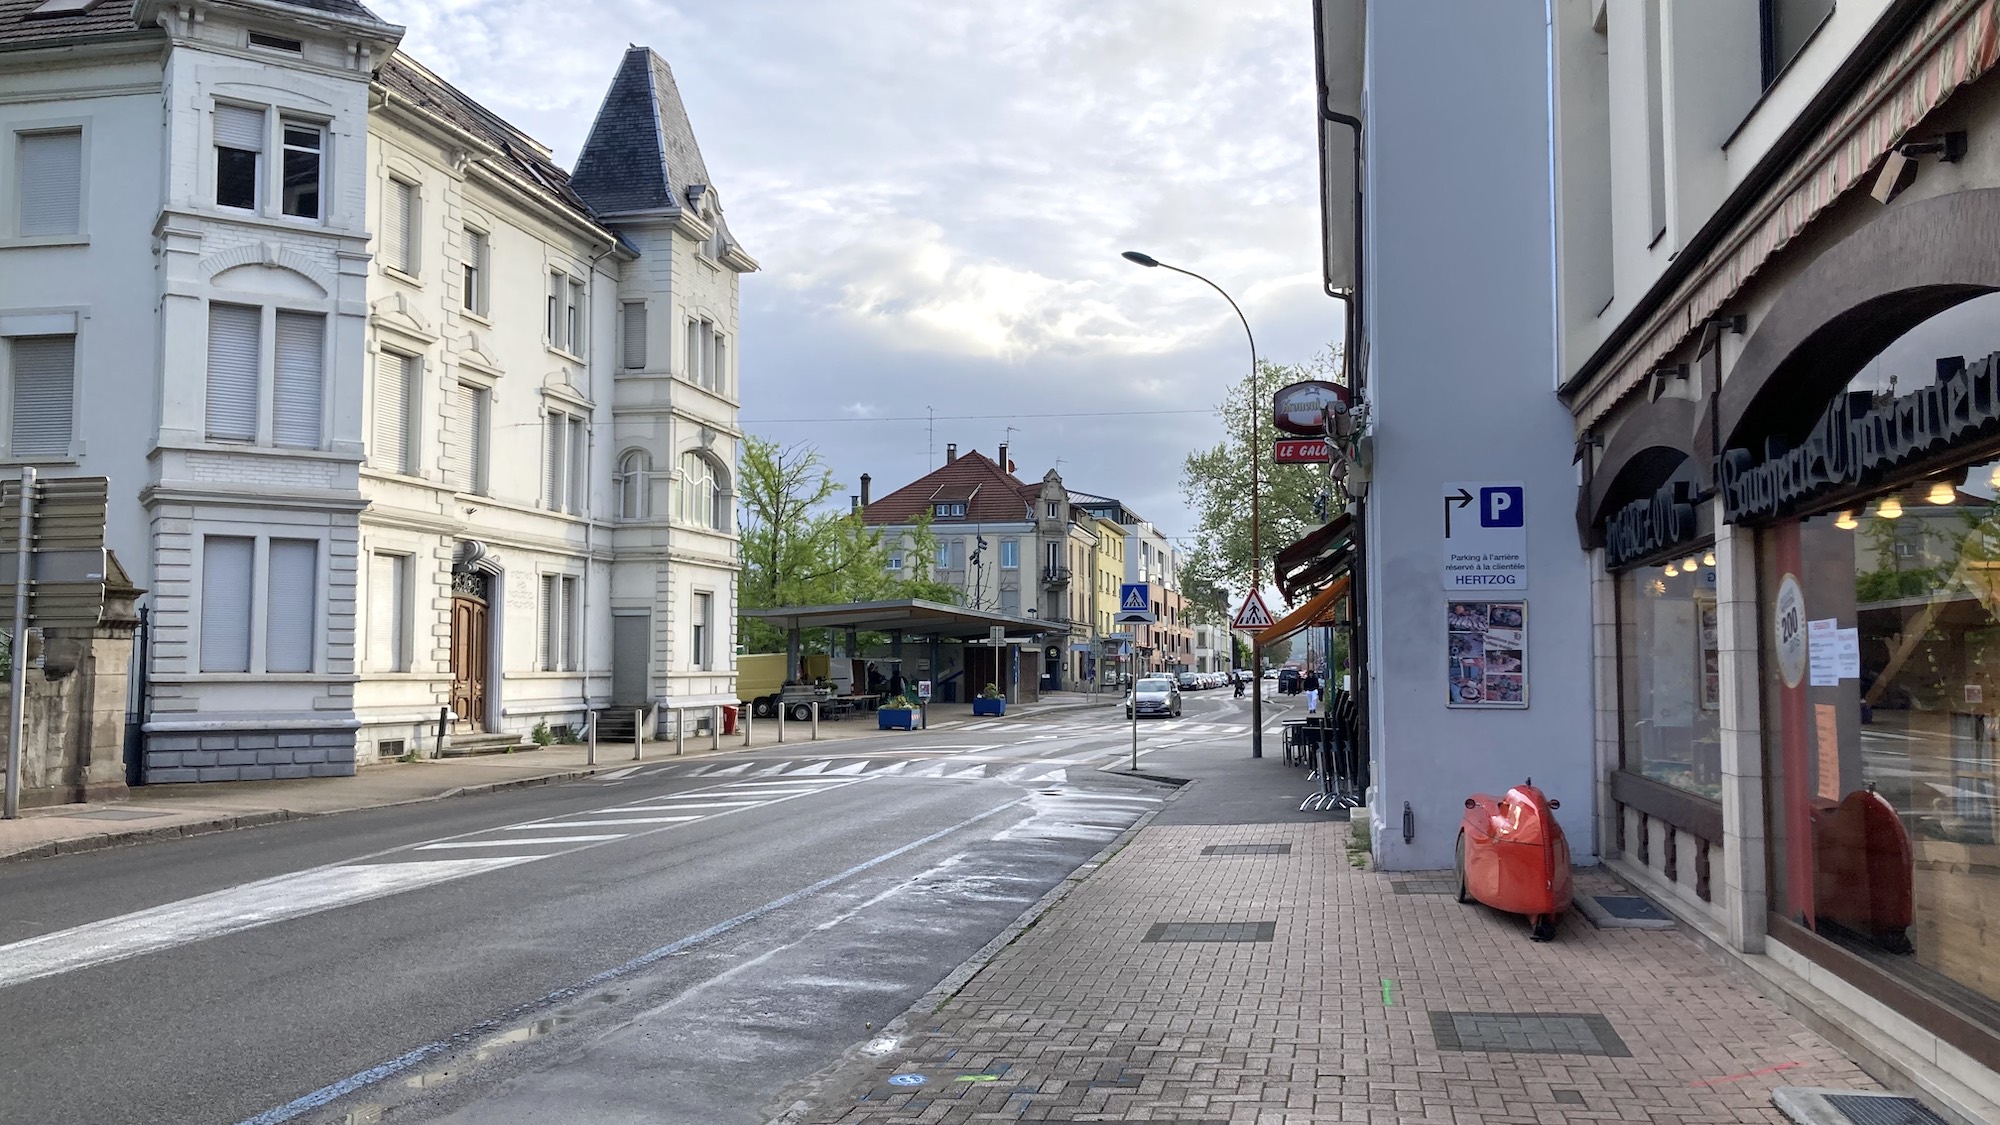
<point x="635" y="334"/>
<point x="237" y="127"/>
<point x="694" y="351"/>
<point x="398" y="226"/>
<point x="475" y="270"/>
<point x="291" y="591"/>
<point x="466" y="457"/>
<point x="720" y="379"/>
<point x="234" y="359"/>
<point x="545" y="630"/>
<point x="389" y="433"/>
<point x="44" y="395"/>
<point x="554" y="459"/>
<point x="568" y="624"/>
<point x="51" y="183"/>
<point x="225" y="603"/>
<point x="297" y="392"/>
<point x="576" y="464"/>
<point x="383" y="594"/>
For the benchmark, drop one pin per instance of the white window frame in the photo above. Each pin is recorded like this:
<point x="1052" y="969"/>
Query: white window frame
<point x="555" y="630"/>
<point x="21" y="135"/>
<point x="258" y="190"/>
<point x="635" y="485"/>
<point x="567" y="310"/>
<point x="565" y="449"/>
<point x="401" y="571"/>
<point x="896" y="560"/>
<point x="267" y="375"/>
<point x="482" y="436"/>
<point x="324" y="154"/>
<point x="700" y="359"/>
<point x="701" y="621"/>
<point x="1010" y="547"/>
<point x="717" y="518"/>
<point x="411" y="265"/>
<point x="576" y="319"/>
<point x="257" y="620"/>
<point x="39" y="327"/>
<point x="476" y="272"/>
<point x="632" y="337"/>
<point x="411" y="463"/>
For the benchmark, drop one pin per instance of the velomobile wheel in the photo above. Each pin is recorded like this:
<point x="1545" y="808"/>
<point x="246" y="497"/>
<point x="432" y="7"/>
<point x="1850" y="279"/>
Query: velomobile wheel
<point x="1463" y="894"/>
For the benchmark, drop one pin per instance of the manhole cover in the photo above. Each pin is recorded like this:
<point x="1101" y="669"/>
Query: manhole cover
<point x="1567" y="1097"/>
<point x="1631" y="908"/>
<point x="1212" y="931"/>
<point x="112" y="814"/>
<point x="1425" y="887"/>
<point x="1247" y="849"/>
<point x="1538" y="1033"/>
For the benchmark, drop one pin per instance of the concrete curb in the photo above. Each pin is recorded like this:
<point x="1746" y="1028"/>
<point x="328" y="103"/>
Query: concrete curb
<point x="101" y="841"/>
<point x="801" y="1097"/>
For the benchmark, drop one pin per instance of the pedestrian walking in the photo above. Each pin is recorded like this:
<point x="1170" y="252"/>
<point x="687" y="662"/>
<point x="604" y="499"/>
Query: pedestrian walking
<point x="1311" y="686"/>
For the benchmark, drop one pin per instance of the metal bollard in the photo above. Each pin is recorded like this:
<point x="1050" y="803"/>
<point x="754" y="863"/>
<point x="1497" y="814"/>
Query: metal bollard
<point x="815" y="707"/>
<point x="590" y="720"/>
<point x="781" y="720"/>
<point x="715" y="728"/>
<point x="745" y="714"/>
<point x="680" y="730"/>
<point x="639" y="735"/>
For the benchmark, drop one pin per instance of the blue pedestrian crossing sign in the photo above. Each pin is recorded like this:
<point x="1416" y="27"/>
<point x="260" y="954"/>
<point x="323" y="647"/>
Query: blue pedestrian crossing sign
<point x="1135" y="603"/>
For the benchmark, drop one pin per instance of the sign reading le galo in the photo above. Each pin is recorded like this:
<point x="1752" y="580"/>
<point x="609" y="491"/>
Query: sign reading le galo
<point x="1485" y="537"/>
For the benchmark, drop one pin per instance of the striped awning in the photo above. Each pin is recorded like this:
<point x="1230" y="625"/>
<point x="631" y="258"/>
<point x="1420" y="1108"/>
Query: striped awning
<point x="1320" y="609"/>
<point x="1955" y="43"/>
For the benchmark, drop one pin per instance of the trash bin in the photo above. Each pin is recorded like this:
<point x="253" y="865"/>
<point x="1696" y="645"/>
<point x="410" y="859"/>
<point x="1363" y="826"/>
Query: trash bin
<point x="729" y="718"/>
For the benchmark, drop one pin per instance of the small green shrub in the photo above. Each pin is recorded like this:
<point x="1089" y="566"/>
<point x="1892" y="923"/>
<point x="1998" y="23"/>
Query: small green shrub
<point x="542" y="735"/>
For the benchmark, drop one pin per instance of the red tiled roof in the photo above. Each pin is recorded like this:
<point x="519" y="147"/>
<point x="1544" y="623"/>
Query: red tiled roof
<point x="991" y="494"/>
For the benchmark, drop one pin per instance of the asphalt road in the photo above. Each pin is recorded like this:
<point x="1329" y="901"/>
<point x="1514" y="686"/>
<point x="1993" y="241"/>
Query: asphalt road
<point x="674" y="945"/>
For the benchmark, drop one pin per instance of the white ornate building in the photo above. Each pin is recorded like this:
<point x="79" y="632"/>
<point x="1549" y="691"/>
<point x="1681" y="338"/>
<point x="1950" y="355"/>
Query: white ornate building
<point x="398" y="415"/>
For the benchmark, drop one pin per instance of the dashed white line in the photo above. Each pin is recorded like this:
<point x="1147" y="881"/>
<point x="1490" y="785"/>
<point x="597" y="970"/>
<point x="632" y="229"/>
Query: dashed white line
<point x="517" y="842"/>
<point x="594" y="824"/>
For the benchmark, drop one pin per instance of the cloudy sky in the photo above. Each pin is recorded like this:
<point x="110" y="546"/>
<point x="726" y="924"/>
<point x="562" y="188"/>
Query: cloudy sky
<point x="938" y="191"/>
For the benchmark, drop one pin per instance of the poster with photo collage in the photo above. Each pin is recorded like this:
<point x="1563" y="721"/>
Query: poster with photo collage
<point x="1487" y="643"/>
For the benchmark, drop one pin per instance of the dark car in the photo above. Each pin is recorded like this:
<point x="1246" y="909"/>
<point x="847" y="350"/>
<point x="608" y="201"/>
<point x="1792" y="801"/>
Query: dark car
<point x="1155" y="695"/>
<point x="1288" y="681"/>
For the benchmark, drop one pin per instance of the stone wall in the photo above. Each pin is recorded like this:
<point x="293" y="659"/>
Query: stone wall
<point x="73" y="736"/>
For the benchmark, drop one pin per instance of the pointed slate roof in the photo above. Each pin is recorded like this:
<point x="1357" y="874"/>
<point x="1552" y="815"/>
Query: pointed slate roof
<point x="641" y="154"/>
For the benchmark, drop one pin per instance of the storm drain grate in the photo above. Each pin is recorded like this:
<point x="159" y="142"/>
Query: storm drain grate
<point x="1247" y="849"/>
<point x="1425" y="887"/>
<point x="1550" y="1033"/>
<point x="1861" y="1109"/>
<point x="1212" y="931"/>
<point x="1631" y="907"/>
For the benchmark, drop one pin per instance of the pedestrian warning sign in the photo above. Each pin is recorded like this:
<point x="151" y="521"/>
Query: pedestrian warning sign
<point x="1253" y="615"/>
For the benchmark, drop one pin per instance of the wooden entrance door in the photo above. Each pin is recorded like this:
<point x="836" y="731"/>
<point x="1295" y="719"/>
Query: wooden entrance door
<point x="469" y="650"/>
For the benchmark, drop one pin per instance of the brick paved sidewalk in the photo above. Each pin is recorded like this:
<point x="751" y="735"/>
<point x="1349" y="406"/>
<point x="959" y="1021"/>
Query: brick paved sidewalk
<point x="1085" y="1019"/>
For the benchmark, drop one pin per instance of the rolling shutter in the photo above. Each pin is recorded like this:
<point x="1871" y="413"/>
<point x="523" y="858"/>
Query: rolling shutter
<point x="635" y="334"/>
<point x="387" y="611"/>
<point x="225" y="603"/>
<point x="234" y="359"/>
<point x="545" y="628"/>
<point x="51" y="183"/>
<point x="466" y="454"/>
<point x="290" y="597"/>
<point x="389" y="430"/>
<point x="554" y="459"/>
<point x="568" y="624"/>
<point x="398" y="226"/>
<point x="44" y="395"/>
<point x="237" y="127"/>
<point x="297" y="390"/>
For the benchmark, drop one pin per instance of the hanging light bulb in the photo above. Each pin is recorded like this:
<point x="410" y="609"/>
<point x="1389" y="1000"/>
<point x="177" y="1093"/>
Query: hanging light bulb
<point x="1846" y="521"/>
<point x="1708" y="559"/>
<point x="1942" y="493"/>
<point x="1690" y="564"/>
<point x="1890" y="508"/>
<point x="1673" y="571"/>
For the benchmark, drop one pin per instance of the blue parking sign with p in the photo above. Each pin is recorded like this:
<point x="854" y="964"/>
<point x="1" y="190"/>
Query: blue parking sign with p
<point x="1502" y="506"/>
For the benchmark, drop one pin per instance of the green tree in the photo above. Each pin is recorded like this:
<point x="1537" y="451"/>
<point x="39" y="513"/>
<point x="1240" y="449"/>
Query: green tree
<point x="1216" y="484"/>
<point x="800" y="548"/>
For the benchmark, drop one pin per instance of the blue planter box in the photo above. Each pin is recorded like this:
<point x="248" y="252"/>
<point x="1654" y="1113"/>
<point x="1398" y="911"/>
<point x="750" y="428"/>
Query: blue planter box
<point x="895" y="718"/>
<point x="989" y="707"/>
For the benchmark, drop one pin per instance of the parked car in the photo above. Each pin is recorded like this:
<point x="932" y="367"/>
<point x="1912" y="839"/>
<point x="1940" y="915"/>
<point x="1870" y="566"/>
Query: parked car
<point x="1154" y="695"/>
<point x="1188" y="681"/>
<point x="1288" y="681"/>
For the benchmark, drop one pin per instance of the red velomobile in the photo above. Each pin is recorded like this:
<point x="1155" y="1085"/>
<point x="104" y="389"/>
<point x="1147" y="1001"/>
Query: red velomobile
<point x="1513" y="856"/>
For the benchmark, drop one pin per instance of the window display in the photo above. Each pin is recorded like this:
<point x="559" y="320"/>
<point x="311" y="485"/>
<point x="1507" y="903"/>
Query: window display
<point x="1882" y="742"/>
<point x="1670" y="693"/>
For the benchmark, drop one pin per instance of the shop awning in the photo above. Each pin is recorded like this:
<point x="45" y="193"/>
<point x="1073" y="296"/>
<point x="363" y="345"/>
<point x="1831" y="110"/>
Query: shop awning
<point x="1318" y="610"/>
<point x="1316" y="559"/>
<point x="907" y="616"/>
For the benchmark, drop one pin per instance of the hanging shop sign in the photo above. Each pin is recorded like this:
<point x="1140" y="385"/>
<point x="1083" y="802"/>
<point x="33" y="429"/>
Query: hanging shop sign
<point x="1308" y="408"/>
<point x="1487" y="654"/>
<point x="1858" y="438"/>
<point x="1293" y="451"/>
<point x="1651" y="525"/>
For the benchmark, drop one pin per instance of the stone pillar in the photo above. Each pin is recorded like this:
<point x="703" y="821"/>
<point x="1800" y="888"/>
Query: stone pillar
<point x="1744" y="897"/>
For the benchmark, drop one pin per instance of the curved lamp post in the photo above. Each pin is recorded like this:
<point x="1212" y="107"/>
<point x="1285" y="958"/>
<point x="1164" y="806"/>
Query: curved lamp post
<point x="1256" y="531"/>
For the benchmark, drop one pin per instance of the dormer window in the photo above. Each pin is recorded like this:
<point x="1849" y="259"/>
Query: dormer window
<point x="949" y="509"/>
<point x="276" y="43"/>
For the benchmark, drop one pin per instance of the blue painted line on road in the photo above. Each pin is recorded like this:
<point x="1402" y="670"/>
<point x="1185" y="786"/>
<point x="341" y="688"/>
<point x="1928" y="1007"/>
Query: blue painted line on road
<point x="907" y="1080"/>
<point x="326" y="1095"/>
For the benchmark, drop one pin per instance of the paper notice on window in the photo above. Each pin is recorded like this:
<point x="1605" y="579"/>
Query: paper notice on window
<point x="1826" y="724"/>
<point x="1847" y="653"/>
<point x="1821" y="652"/>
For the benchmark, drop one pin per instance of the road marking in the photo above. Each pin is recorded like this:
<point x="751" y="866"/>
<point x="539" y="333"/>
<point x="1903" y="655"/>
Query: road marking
<point x="706" y="793"/>
<point x="674" y="808"/>
<point x="594" y="824"/>
<point x="518" y="841"/>
<point x="364" y="1079"/>
<point x="226" y="912"/>
<point x="616" y="774"/>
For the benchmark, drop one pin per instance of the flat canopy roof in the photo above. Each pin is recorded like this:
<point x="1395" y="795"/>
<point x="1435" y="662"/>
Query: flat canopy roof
<point x="907" y="616"/>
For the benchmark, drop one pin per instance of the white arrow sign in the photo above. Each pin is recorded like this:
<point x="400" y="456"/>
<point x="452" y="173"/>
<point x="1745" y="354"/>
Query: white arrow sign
<point x="1253" y="615"/>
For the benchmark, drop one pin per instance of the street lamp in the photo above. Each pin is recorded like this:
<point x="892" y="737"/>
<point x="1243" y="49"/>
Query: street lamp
<point x="1256" y="530"/>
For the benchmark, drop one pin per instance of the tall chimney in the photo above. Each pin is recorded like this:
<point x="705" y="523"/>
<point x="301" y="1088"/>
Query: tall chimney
<point x="950" y="452"/>
<point x="1003" y="456"/>
<point x="864" y="491"/>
